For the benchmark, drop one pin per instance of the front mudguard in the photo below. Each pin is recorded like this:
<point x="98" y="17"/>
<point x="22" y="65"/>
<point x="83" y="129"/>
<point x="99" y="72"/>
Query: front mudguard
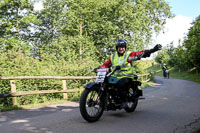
<point x="96" y="87"/>
<point x="92" y="86"/>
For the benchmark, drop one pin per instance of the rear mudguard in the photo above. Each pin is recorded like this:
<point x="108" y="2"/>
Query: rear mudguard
<point x="92" y="85"/>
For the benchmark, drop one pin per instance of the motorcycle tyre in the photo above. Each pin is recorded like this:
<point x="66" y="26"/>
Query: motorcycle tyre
<point x="83" y="110"/>
<point x="133" y="107"/>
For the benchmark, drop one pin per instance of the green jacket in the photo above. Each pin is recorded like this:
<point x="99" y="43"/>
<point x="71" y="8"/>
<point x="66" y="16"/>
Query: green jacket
<point x="126" y="67"/>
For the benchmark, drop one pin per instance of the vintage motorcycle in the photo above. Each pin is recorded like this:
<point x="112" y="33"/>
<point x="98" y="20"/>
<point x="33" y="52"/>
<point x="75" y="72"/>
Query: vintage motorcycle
<point x="102" y="95"/>
<point x="166" y="73"/>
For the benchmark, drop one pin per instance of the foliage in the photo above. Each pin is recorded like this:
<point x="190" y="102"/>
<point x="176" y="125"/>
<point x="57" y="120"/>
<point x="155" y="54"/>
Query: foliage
<point x="192" y="43"/>
<point x="99" y="24"/>
<point x="23" y="65"/>
<point x="185" y="57"/>
<point x="16" y="20"/>
<point x="162" y="56"/>
<point x="68" y="36"/>
<point x="174" y="73"/>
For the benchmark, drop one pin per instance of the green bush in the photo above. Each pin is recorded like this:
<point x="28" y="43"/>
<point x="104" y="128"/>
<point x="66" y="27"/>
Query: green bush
<point x="18" y="64"/>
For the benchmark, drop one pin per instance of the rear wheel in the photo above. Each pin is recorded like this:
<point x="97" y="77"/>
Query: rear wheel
<point x="132" y="101"/>
<point x="91" y="105"/>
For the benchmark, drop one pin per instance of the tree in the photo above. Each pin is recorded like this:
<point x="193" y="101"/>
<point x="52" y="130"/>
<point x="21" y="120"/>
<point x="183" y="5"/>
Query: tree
<point x="187" y="56"/>
<point x="16" y="19"/>
<point x="99" y="24"/>
<point x="192" y="43"/>
<point x="163" y="56"/>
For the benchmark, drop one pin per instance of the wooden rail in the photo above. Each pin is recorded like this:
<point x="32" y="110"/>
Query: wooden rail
<point x="14" y="93"/>
<point x="47" y="77"/>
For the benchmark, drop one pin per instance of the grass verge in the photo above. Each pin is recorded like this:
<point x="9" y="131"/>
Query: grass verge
<point x="174" y="73"/>
<point x="71" y="96"/>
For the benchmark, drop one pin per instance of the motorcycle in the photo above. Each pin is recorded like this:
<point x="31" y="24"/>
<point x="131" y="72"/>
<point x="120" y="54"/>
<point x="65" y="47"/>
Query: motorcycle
<point x="102" y="95"/>
<point x="166" y="73"/>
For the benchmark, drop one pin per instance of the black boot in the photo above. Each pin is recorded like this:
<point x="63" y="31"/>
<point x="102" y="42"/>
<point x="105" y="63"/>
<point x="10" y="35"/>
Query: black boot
<point x="140" y="95"/>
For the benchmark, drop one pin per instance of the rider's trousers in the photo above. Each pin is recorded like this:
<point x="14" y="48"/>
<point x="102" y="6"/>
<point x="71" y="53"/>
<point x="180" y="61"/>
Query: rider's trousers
<point x="123" y="87"/>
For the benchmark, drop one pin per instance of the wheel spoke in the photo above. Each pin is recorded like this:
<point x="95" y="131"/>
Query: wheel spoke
<point x="132" y="101"/>
<point x="93" y="104"/>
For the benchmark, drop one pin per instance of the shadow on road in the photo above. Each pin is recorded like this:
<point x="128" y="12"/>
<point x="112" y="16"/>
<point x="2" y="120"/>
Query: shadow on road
<point x="33" y="120"/>
<point x="28" y="113"/>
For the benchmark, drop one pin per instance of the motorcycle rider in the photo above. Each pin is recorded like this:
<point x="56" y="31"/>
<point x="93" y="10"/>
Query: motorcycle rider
<point x="124" y="58"/>
<point x="165" y="71"/>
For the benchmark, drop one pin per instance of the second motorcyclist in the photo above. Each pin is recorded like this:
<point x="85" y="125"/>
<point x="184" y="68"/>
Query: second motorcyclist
<point x="165" y="71"/>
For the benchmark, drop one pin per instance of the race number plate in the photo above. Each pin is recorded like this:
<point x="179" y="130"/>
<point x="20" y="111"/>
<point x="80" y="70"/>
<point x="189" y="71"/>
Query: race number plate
<point x="101" y="75"/>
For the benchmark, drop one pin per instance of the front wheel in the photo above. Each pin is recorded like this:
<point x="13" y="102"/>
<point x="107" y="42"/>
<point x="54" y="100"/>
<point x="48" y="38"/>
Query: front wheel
<point x="91" y="105"/>
<point x="132" y="101"/>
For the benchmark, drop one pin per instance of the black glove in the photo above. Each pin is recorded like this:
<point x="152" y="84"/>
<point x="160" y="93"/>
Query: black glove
<point x="95" y="69"/>
<point x="156" y="48"/>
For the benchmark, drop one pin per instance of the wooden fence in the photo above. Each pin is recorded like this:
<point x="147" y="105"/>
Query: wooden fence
<point x="14" y="93"/>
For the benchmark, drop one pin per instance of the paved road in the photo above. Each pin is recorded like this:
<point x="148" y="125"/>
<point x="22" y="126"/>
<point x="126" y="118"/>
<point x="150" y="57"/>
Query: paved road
<point x="171" y="106"/>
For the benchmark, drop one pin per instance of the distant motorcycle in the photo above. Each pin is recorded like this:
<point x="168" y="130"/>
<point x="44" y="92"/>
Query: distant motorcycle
<point x="165" y="73"/>
<point x="102" y="95"/>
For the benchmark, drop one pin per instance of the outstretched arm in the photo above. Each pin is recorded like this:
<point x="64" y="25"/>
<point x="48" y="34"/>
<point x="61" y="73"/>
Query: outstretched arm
<point x="143" y="54"/>
<point x="136" y="55"/>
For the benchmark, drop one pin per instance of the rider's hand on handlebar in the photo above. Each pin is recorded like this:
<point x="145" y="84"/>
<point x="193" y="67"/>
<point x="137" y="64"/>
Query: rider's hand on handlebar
<point x="117" y="67"/>
<point x="95" y="69"/>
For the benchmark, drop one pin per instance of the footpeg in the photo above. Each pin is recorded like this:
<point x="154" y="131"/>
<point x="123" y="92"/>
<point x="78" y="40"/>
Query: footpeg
<point x="141" y="98"/>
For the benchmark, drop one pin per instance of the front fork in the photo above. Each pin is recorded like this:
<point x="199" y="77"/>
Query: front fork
<point x="100" y="92"/>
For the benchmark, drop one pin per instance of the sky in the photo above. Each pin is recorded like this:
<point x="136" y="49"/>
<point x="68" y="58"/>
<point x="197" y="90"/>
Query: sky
<point x="185" y="12"/>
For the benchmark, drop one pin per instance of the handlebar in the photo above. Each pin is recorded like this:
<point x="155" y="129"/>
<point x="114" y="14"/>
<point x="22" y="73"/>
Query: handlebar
<point x="116" y="68"/>
<point x="109" y="74"/>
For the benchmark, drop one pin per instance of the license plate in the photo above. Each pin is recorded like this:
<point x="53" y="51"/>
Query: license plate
<point x="101" y="75"/>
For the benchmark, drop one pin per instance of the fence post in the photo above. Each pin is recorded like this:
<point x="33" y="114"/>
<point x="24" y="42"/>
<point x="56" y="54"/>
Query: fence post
<point x="64" y="88"/>
<point x="13" y="90"/>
